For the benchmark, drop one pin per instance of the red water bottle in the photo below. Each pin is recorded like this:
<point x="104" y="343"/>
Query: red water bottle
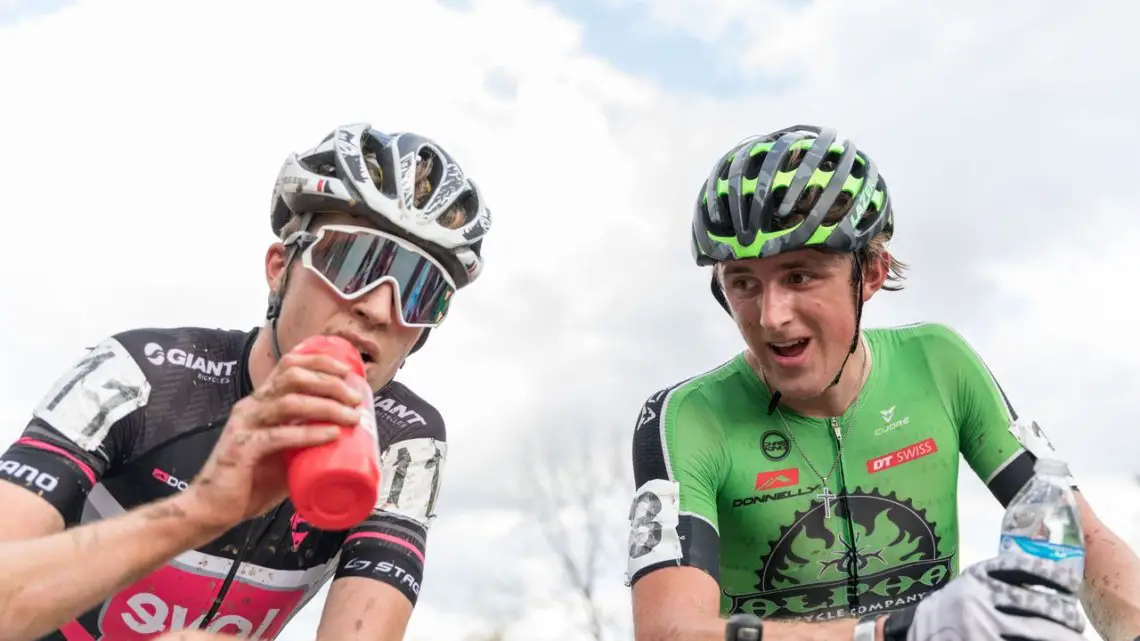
<point x="334" y="486"/>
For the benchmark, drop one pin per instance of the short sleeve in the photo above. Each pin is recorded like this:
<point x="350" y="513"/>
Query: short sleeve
<point x="679" y="463"/>
<point x="999" y="446"/>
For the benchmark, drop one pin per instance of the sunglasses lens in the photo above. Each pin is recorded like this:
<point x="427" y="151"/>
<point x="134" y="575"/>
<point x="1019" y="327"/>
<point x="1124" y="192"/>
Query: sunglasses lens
<point x="355" y="261"/>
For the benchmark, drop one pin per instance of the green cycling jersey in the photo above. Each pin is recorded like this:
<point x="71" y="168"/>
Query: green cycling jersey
<point x="726" y="487"/>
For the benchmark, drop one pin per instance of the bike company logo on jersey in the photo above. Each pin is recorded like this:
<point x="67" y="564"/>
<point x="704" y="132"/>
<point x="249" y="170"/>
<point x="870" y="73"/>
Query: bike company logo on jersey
<point x="220" y="372"/>
<point x="891" y="424"/>
<point x="397" y="412"/>
<point x="884" y="548"/>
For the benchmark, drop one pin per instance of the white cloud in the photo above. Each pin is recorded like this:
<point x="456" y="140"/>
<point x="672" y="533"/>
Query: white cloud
<point x="143" y="140"/>
<point x="1083" y="283"/>
<point x="147" y="157"/>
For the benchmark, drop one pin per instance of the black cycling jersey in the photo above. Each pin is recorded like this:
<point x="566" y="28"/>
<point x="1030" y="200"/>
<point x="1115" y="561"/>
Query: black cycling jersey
<point x="138" y="416"/>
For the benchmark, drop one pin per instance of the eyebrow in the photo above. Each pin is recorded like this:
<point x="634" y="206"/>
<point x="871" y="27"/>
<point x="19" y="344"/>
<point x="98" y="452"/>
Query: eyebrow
<point x="788" y="266"/>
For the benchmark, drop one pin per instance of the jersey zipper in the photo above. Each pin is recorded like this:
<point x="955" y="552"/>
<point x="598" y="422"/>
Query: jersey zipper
<point x="259" y="526"/>
<point x="853" y="570"/>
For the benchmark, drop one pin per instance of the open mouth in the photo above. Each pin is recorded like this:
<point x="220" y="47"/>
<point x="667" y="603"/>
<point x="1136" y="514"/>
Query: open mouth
<point x="362" y="347"/>
<point x="790" y="349"/>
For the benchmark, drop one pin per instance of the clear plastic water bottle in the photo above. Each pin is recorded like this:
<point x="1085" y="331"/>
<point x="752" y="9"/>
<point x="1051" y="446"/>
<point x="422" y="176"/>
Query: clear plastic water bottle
<point x="1043" y="520"/>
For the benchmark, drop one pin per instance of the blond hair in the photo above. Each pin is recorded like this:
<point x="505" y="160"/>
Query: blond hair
<point x="874" y="252"/>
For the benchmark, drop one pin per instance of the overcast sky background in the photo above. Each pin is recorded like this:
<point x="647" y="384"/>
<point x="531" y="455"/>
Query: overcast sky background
<point x="141" y="139"/>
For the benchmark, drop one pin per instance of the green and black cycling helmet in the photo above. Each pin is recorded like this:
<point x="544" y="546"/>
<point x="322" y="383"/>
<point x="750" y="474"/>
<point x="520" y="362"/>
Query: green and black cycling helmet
<point x="797" y="187"/>
<point x="794" y="188"/>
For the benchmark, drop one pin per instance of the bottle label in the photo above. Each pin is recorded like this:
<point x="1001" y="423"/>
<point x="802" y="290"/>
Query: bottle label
<point x="1041" y="549"/>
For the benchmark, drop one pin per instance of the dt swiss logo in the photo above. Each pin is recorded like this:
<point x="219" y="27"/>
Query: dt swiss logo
<point x="778" y="479"/>
<point x="904" y="455"/>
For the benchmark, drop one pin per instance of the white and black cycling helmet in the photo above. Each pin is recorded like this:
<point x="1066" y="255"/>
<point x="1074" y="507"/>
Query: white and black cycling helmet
<point x="362" y="171"/>
<point x="358" y="170"/>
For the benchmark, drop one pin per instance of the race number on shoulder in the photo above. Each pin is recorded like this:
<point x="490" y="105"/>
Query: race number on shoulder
<point x="653" y="519"/>
<point x="1033" y="439"/>
<point x="103" y="387"/>
<point x="410" y="478"/>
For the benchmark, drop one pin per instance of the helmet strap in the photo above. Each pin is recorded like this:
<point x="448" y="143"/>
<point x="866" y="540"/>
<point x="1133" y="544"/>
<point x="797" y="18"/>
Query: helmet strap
<point x="277" y="297"/>
<point x="718" y="293"/>
<point x="857" y="279"/>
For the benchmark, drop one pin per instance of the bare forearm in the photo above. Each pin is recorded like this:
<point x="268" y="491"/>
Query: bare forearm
<point x="363" y="609"/>
<point x="50" y="580"/>
<point x="713" y="630"/>
<point x="1111" y="591"/>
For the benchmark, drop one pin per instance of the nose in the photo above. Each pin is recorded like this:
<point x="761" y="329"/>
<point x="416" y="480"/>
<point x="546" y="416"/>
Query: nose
<point x="775" y="308"/>
<point x="377" y="307"/>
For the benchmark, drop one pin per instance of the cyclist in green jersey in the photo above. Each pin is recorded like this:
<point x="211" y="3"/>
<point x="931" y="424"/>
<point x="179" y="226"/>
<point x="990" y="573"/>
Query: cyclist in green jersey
<point x="811" y="480"/>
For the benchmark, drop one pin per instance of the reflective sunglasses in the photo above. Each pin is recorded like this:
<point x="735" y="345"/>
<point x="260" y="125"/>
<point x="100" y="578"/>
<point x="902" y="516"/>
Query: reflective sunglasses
<point x="356" y="260"/>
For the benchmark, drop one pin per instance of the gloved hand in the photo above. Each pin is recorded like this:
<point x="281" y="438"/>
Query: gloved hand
<point x="993" y="600"/>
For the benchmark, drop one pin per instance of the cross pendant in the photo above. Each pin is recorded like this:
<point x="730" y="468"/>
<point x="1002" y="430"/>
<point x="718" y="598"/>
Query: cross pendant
<point x="826" y="497"/>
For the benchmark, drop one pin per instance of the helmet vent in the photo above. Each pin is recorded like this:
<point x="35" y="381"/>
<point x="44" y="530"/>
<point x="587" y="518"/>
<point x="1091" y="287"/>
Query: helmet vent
<point x="752" y="167"/>
<point x="830" y="162"/>
<point x="839" y="208"/>
<point x="791" y="161"/>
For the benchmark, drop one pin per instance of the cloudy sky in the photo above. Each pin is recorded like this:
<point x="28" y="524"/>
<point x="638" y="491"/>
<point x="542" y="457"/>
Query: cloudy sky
<point x="142" y="139"/>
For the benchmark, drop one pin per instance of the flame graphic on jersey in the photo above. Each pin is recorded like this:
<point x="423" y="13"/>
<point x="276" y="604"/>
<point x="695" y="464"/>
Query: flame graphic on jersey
<point x="883" y="545"/>
<point x="877" y="553"/>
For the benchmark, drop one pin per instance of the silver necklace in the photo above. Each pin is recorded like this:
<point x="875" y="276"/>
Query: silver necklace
<point x="826" y="495"/>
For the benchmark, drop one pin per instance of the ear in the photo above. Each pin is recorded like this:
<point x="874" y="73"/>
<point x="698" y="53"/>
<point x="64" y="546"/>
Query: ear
<point x="274" y="266"/>
<point x="875" y="272"/>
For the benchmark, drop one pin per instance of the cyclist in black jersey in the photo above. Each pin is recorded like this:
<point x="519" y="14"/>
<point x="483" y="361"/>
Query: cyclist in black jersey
<point x="147" y="493"/>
